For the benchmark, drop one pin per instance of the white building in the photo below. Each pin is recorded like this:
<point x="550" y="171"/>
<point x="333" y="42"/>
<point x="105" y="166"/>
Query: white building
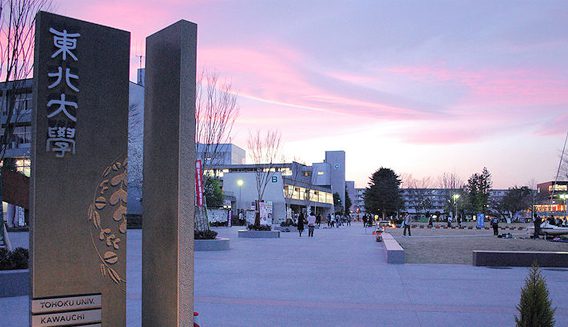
<point x="291" y="188"/>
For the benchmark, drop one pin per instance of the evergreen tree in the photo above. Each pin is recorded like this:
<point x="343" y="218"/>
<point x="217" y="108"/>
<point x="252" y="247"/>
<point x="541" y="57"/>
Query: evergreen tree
<point x="517" y="199"/>
<point x="337" y="203"/>
<point x="535" y="307"/>
<point x="383" y="193"/>
<point x="348" y="202"/>
<point x="477" y="190"/>
<point x="213" y="192"/>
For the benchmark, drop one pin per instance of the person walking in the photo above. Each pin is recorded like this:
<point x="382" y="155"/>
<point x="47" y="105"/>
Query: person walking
<point x="365" y="221"/>
<point x="495" y="225"/>
<point x="406" y="221"/>
<point x="301" y="223"/>
<point x="537" y="221"/>
<point x="311" y="224"/>
<point x="318" y="220"/>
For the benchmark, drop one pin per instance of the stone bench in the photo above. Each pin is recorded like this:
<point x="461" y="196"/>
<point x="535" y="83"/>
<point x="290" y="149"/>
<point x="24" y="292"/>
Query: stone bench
<point x="520" y="258"/>
<point x="395" y="252"/>
<point x="14" y="283"/>
<point x="218" y="244"/>
<point x="259" y="234"/>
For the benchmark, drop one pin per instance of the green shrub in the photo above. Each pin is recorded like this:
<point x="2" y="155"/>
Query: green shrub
<point x="535" y="308"/>
<point x="205" y="235"/>
<point x="4" y="259"/>
<point x="218" y="224"/>
<point x="17" y="259"/>
<point x="260" y="227"/>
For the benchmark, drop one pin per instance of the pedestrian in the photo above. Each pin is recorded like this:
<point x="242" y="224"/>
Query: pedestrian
<point x="537" y="221"/>
<point x="311" y="224"/>
<point x="406" y="222"/>
<point x="430" y="222"/>
<point x="301" y="223"/>
<point x="495" y="225"/>
<point x="328" y="220"/>
<point x="449" y="221"/>
<point x="337" y="222"/>
<point x="318" y="220"/>
<point x="348" y="220"/>
<point x="364" y="221"/>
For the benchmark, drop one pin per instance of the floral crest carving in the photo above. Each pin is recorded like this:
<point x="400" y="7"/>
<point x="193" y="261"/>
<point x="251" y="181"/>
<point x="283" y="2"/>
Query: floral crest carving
<point x="107" y="215"/>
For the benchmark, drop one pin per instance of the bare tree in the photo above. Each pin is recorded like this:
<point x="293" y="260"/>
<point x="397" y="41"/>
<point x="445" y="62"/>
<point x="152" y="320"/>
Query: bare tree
<point x="264" y="149"/>
<point x="17" y="33"/>
<point x="421" y="199"/>
<point x="454" y="195"/>
<point x="450" y="181"/>
<point x="216" y="110"/>
<point x="17" y="23"/>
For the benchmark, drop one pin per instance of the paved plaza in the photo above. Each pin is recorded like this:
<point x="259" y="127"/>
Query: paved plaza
<point x="337" y="278"/>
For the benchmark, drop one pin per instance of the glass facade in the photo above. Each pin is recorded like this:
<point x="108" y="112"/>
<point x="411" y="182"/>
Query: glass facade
<point x="304" y="194"/>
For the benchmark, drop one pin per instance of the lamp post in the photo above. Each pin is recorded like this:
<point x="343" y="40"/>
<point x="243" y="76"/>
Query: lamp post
<point x="455" y="197"/>
<point x="240" y="184"/>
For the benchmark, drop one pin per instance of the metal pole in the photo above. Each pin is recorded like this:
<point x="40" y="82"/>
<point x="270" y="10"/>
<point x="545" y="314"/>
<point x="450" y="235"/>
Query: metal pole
<point x="239" y="204"/>
<point x="456" y="206"/>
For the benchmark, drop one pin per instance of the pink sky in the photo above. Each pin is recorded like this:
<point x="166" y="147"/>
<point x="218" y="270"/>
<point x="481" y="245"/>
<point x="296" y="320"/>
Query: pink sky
<point x="422" y="87"/>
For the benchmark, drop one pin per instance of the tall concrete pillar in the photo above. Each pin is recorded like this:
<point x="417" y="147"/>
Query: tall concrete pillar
<point x="169" y="183"/>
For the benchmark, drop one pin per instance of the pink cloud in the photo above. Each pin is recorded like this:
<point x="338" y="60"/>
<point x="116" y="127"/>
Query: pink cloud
<point x="496" y="87"/>
<point x="275" y="74"/>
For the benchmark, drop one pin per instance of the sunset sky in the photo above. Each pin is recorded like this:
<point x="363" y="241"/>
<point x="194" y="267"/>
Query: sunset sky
<point x="422" y="87"/>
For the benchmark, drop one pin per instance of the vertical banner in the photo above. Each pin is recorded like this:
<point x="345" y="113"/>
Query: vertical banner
<point x="480" y="220"/>
<point x="199" y="183"/>
<point x="78" y="180"/>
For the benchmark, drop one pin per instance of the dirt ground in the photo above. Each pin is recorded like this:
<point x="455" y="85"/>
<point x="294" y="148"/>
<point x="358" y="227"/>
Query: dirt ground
<point x="428" y="245"/>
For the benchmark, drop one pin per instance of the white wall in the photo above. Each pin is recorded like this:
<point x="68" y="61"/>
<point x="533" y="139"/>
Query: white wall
<point x="247" y="194"/>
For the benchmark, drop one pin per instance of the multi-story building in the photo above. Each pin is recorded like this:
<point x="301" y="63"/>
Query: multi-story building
<point x="18" y="147"/>
<point x="15" y="113"/>
<point x="290" y="188"/>
<point x="359" y="202"/>
<point x="552" y="199"/>
<point x="428" y="201"/>
<point x="220" y="154"/>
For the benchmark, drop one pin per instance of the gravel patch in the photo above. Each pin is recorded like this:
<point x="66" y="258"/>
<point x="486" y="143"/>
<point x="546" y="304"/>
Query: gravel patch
<point x="455" y="246"/>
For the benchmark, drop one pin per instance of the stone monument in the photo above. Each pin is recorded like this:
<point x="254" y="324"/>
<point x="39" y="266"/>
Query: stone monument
<point x="78" y="180"/>
<point x="169" y="181"/>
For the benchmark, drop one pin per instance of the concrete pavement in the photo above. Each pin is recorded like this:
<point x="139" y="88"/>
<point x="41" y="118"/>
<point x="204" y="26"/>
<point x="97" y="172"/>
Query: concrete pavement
<point x="337" y="278"/>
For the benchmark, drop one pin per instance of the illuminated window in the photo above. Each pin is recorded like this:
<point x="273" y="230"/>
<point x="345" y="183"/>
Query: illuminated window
<point x="23" y="166"/>
<point x="320" y="173"/>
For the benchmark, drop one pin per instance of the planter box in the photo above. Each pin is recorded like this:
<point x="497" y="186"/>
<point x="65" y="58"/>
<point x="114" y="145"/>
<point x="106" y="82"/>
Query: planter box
<point x="259" y="234"/>
<point x="218" y="244"/>
<point x="14" y="282"/>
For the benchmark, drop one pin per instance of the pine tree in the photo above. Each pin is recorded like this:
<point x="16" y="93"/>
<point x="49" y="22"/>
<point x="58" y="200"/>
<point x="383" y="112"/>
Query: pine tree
<point x="535" y="307"/>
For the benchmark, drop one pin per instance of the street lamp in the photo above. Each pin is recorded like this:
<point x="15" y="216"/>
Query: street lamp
<point x="456" y="197"/>
<point x="240" y="184"/>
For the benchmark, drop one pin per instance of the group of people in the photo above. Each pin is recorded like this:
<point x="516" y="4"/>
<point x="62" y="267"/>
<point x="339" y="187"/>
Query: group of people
<point x="312" y="221"/>
<point x="338" y="220"/>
